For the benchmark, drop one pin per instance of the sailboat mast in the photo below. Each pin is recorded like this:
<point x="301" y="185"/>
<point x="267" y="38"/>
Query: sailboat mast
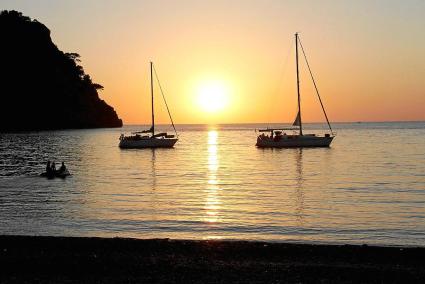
<point x="298" y="84"/>
<point x="153" y="117"/>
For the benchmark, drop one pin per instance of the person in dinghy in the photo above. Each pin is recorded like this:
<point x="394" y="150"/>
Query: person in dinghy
<point x="51" y="171"/>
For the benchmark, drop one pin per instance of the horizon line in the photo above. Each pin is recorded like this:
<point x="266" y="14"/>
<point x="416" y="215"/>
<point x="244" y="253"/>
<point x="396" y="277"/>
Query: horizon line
<point x="246" y="123"/>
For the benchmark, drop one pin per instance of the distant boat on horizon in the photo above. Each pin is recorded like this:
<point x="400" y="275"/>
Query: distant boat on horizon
<point x="277" y="137"/>
<point x="148" y="138"/>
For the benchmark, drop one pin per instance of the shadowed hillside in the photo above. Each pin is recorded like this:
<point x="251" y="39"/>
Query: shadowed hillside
<point x="43" y="87"/>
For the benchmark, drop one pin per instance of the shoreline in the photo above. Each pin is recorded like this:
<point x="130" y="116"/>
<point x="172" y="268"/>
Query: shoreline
<point x="43" y="259"/>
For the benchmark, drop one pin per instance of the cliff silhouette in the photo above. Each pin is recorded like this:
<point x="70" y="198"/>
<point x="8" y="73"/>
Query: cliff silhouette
<point x="42" y="87"/>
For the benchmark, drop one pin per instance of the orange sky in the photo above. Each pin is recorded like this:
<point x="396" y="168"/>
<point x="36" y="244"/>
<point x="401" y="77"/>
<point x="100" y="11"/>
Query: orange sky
<point x="367" y="56"/>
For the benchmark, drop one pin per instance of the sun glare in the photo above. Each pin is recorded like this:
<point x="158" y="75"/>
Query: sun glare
<point x="213" y="96"/>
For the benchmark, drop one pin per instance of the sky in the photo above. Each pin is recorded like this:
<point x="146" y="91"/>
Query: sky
<point x="234" y="61"/>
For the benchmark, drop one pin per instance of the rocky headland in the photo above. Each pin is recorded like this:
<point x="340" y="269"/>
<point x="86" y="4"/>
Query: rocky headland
<point x="42" y="87"/>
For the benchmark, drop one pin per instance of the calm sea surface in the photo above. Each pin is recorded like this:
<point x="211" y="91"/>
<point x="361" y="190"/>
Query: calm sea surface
<point x="368" y="187"/>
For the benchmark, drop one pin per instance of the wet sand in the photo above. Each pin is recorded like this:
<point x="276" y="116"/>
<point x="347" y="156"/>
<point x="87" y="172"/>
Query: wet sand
<point x="26" y="259"/>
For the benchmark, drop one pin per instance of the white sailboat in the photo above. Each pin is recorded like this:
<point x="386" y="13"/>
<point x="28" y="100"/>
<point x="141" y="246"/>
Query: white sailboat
<point x="148" y="138"/>
<point x="278" y="138"/>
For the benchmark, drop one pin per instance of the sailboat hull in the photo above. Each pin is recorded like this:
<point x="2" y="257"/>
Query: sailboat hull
<point x="289" y="141"/>
<point x="148" y="143"/>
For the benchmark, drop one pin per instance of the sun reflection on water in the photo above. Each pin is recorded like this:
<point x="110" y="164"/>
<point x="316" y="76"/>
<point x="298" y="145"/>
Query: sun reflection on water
<point x="213" y="201"/>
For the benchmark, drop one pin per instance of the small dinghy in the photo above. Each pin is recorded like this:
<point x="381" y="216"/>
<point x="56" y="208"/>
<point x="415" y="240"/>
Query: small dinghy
<point x="56" y="174"/>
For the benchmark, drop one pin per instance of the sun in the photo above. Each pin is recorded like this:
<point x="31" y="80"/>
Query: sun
<point x="213" y="96"/>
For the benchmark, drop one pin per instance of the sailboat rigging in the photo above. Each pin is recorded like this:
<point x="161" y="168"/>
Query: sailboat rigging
<point x="158" y="140"/>
<point x="277" y="138"/>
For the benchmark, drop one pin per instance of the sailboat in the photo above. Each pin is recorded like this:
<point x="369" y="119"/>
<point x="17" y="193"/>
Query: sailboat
<point x="278" y="138"/>
<point x="148" y="138"/>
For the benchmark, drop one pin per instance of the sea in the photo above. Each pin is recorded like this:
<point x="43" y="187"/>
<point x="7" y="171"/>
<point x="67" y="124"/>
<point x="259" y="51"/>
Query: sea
<point x="367" y="188"/>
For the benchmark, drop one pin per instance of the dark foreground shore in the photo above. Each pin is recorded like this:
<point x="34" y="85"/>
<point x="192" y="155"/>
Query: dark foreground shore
<point x="101" y="260"/>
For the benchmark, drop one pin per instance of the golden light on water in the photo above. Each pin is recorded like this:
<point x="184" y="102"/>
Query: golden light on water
<point x="213" y="202"/>
<point x="212" y="154"/>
